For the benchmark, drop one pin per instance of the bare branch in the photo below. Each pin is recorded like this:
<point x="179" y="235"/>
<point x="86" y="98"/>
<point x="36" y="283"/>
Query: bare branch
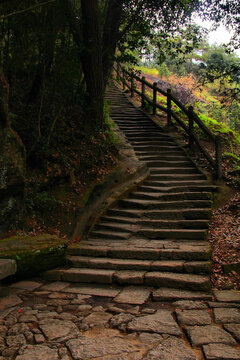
<point x="26" y="10"/>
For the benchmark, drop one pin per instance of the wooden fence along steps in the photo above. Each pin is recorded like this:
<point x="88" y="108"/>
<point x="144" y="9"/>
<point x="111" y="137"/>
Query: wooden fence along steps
<point x="157" y="235"/>
<point x="129" y="79"/>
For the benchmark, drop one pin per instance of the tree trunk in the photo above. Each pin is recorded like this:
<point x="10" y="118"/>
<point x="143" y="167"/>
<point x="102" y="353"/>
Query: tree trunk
<point x="111" y="36"/>
<point x="12" y="166"/>
<point x="91" y="57"/>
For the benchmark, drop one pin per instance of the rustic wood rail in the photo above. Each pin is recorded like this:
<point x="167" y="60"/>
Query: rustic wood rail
<point x="128" y="80"/>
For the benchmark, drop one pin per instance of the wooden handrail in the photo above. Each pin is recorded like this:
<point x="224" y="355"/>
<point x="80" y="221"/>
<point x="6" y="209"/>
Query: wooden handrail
<point x="192" y="116"/>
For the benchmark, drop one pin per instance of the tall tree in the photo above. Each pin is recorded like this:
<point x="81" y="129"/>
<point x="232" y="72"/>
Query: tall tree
<point x="98" y="26"/>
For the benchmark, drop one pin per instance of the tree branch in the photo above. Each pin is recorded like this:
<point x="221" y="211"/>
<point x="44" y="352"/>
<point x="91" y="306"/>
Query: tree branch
<point x="74" y="24"/>
<point x="26" y="10"/>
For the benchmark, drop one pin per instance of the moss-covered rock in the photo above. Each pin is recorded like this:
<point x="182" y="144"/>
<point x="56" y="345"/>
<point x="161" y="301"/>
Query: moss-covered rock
<point x="34" y="254"/>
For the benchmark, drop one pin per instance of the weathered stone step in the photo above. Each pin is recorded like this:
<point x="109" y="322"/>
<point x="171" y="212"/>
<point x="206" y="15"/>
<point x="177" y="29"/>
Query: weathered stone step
<point x="180" y="266"/>
<point x="161" y="205"/>
<point x="178" y="281"/>
<point x="133" y="121"/>
<point x="142" y="132"/>
<point x="111" y="234"/>
<point x="190" y="170"/>
<point x="136" y="128"/>
<point x="152" y="142"/>
<point x="169" y="177"/>
<point x="184" y="234"/>
<point x="163" y="158"/>
<point x="182" y="251"/>
<point x="154" y="188"/>
<point x="174" y="224"/>
<point x="127" y="212"/>
<point x="118" y="222"/>
<point x="189" y="214"/>
<point x="153" y="135"/>
<point x="118" y="227"/>
<point x="173" y="183"/>
<point x="157" y="279"/>
<point x="121" y="216"/>
<point x="167" y="294"/>
<point x="159" y="152"/>
<point x="157" y="147"/>
<point x="170" y="196"/>
<point x="163" y="164"/>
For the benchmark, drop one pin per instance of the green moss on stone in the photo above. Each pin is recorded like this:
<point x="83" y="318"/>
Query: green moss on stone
<point x="34" y="254"/>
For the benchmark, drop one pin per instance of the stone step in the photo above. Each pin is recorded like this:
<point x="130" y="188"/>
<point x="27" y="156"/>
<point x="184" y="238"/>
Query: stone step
<point x="135" y="128"/>
<point x="200" y="251"/>
<point x="180" y="266"/>
<point x="169" y="177"/>
<point x="178" y="281"/>
<point x="141" y="131"/>
<point x="174" y="183"/>
<point x="135" y="125"/>
<point x="190" y="170"/>
<point x="163" y="205"/>
<point x="132" y="214"/>
<point x="176" y="189"/>
<point x="107" y="222"/>
<point x="141" y="195"/>
<point x="163" y="164"/>
<point x="161" y="153"/>
<point x="118" y="220"/>
<point x="152" y="278"/>
<point x="153" y="142"/>
<point x="149" y="136"/>
<point x="136" y="215"/>
<point x="167" y="294"/>
<point x="142" y="226"/>
<point x="158" y="147"/>
<point x="118" y="227"/>
<point x="111" y="234"/>
<point x="174" y="224"/>
<point x="171" y="153"/>
<point x="184" y="234"/>
<point x="162" y="157"/>
<point x="190" y="214"/>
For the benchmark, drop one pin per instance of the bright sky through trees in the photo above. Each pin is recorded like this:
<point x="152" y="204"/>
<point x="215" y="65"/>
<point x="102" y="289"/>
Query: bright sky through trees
<point x="219" y="36"/>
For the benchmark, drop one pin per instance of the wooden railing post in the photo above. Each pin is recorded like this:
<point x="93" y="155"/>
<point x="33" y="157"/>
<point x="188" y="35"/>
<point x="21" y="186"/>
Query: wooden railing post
<point x="154" y="98"/>
<point x="143" y="92"/>
<point x="190" y="127"/>
<point x="118" y="71"/>
<point x="132" y="85"/>
<point x="169" y="108"/>
<point x="123" y="78"/>
<point x="218" y="159"/>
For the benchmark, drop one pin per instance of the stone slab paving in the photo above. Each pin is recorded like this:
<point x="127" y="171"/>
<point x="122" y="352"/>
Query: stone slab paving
<point x="42" y="320"/>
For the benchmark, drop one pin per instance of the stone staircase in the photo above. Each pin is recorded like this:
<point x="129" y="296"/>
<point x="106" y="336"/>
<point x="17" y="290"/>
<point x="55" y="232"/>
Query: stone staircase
<point x="156" y="236"/>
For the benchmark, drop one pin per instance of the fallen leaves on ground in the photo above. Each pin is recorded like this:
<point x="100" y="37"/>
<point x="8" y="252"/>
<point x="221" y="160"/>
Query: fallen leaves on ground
<point x="224" y="236"/>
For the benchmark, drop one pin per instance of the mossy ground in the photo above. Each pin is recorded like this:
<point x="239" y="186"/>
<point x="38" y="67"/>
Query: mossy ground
<point x="34" y="254"/>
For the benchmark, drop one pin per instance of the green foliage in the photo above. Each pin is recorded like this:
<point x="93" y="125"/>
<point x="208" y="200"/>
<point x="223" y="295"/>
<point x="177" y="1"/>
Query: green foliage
<point x="146" y="70"/>
<point x="163" y="70"/>
<point x="235" y="158"/>
<point x="112" y="137"/>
